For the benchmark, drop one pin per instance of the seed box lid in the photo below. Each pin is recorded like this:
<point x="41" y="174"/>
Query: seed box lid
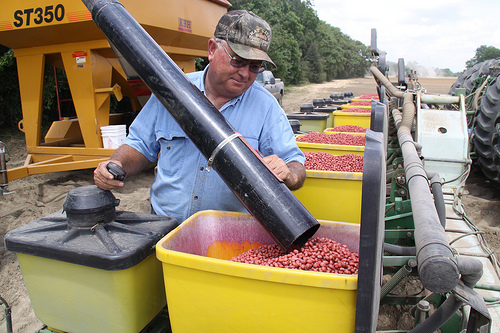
<point x="116" y="245"/>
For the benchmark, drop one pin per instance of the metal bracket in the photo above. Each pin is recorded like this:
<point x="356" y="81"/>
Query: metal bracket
<point x="219" y="147"/>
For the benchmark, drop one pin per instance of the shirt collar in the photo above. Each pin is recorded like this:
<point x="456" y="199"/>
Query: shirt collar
<point x="233" y="101"/>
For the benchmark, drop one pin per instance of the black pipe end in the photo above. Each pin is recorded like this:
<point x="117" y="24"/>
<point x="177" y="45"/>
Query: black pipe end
<point x="439" y="274"/>
<point x="302" y="239"/>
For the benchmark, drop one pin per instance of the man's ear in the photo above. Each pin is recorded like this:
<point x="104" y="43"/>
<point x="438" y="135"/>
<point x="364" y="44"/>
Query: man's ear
<point x="212" y="47"/>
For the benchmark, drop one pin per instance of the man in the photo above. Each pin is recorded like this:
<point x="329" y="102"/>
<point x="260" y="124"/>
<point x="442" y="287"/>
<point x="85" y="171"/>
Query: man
<point x="182" y="184"/>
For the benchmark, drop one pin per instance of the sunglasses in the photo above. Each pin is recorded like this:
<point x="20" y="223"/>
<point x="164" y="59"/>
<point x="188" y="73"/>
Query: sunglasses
<point x="254" y="67"/>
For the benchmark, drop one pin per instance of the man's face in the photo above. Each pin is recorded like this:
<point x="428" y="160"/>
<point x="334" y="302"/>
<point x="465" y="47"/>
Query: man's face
<point x="229" y="81"/>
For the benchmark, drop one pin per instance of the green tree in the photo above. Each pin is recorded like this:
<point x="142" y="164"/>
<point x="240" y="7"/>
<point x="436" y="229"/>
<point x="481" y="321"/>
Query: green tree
<point x="483" y="53"/>
<point x="10" y="99"/>
<point x="305" y="48"/>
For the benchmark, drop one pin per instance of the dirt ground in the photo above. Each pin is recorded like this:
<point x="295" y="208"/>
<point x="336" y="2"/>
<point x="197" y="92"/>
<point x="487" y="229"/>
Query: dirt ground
<point x="39" y="195"/>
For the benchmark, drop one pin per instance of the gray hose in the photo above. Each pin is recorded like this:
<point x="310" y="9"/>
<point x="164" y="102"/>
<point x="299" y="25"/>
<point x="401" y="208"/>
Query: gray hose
<point x="400" y="250"/>
<point x="471" y="270"/>
<point x="438" y="269"/>
<point x="385" y="82"/>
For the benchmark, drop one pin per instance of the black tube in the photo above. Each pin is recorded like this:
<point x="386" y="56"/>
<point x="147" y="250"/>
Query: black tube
<point x="8" y="316"/>
<point x="440" y="316"/>
<point x="437" y="193"/>
<point x="265" y="197"/>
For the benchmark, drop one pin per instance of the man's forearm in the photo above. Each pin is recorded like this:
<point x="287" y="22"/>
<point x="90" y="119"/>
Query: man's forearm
<point x="132" y="161"/>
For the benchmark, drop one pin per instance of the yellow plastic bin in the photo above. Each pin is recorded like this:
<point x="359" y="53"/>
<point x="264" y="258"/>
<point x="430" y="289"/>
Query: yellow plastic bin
<point x="329" y="110"/>
<point x="311" y="121"/>
<point x="328" y="148"/>
<point x="76" y="298"/>
<point x="351" y="118"/>
<point x="209" y="294"/>
<point x="331" y="195"/>
<point x="91" y="268"/>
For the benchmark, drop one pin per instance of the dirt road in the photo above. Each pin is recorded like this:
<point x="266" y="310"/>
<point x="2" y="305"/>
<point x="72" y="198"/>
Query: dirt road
<point x="39" y="195"/>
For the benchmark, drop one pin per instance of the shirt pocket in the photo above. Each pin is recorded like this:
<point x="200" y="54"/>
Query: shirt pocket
<point x="172" y="153"/>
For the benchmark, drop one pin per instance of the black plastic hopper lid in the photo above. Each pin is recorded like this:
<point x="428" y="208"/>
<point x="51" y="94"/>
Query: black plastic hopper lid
<point x="307" y="107"/>
<point x="87" y="205"/>
<point x="118" y="244"/>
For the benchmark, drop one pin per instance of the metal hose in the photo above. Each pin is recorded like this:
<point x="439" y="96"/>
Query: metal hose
<point x="403" y="272"/>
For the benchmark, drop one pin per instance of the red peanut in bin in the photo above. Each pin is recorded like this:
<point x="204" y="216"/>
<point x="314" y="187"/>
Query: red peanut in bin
<point x="333" y="139"/>
<point x="348" y="129"/>
<point x="317" y="255"/>
<point x="356" y="110"/>
<point x="328" y="162"/>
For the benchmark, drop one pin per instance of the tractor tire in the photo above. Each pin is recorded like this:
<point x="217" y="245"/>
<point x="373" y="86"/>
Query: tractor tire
<point x="467" y="79"/>
<point x="486" y="139"/>
<point x="483" y="70"/>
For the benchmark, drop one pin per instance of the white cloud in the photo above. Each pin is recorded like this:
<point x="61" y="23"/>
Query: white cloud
<point x="432" y="33"/>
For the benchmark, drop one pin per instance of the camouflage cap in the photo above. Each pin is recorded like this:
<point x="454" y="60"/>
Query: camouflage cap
<point x="247" y="34"/>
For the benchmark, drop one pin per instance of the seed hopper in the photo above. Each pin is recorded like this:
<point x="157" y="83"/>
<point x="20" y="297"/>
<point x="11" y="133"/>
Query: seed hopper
<point x="409" y="226"/>
<point x="95" y="86"/>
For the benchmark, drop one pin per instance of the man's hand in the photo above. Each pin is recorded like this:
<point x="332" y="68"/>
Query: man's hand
<point x="293" y="174"/>
<point x="105" y="180"/>
<point x="125" y="156"/>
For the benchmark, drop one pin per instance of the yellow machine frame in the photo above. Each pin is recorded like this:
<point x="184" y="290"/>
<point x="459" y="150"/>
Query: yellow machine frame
<point x="62" y="34"/>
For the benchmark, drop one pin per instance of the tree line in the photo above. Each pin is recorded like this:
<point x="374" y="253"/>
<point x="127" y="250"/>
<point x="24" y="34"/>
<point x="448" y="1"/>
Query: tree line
<point x="305" y="49"/>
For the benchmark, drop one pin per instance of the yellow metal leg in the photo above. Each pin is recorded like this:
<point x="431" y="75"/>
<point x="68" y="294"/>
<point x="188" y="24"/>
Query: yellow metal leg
<point x="30" y="72"/>
<point x="86" y="72"/>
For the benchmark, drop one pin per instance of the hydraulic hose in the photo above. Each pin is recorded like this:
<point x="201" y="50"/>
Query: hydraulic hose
<point x="266" y="197"/>
<point x="438" y="269"/>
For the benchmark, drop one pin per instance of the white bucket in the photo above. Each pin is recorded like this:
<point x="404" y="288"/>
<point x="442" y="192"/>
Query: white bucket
<point x="113" y="136"/>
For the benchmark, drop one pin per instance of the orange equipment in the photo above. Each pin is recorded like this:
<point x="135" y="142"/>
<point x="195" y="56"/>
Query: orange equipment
<point x="62" y="34"/>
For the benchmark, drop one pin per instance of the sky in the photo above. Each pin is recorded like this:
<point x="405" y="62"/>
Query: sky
<point x="432" y="33"/>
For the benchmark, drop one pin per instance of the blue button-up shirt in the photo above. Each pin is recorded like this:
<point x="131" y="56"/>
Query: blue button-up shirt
<point x="182" y="186"/>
